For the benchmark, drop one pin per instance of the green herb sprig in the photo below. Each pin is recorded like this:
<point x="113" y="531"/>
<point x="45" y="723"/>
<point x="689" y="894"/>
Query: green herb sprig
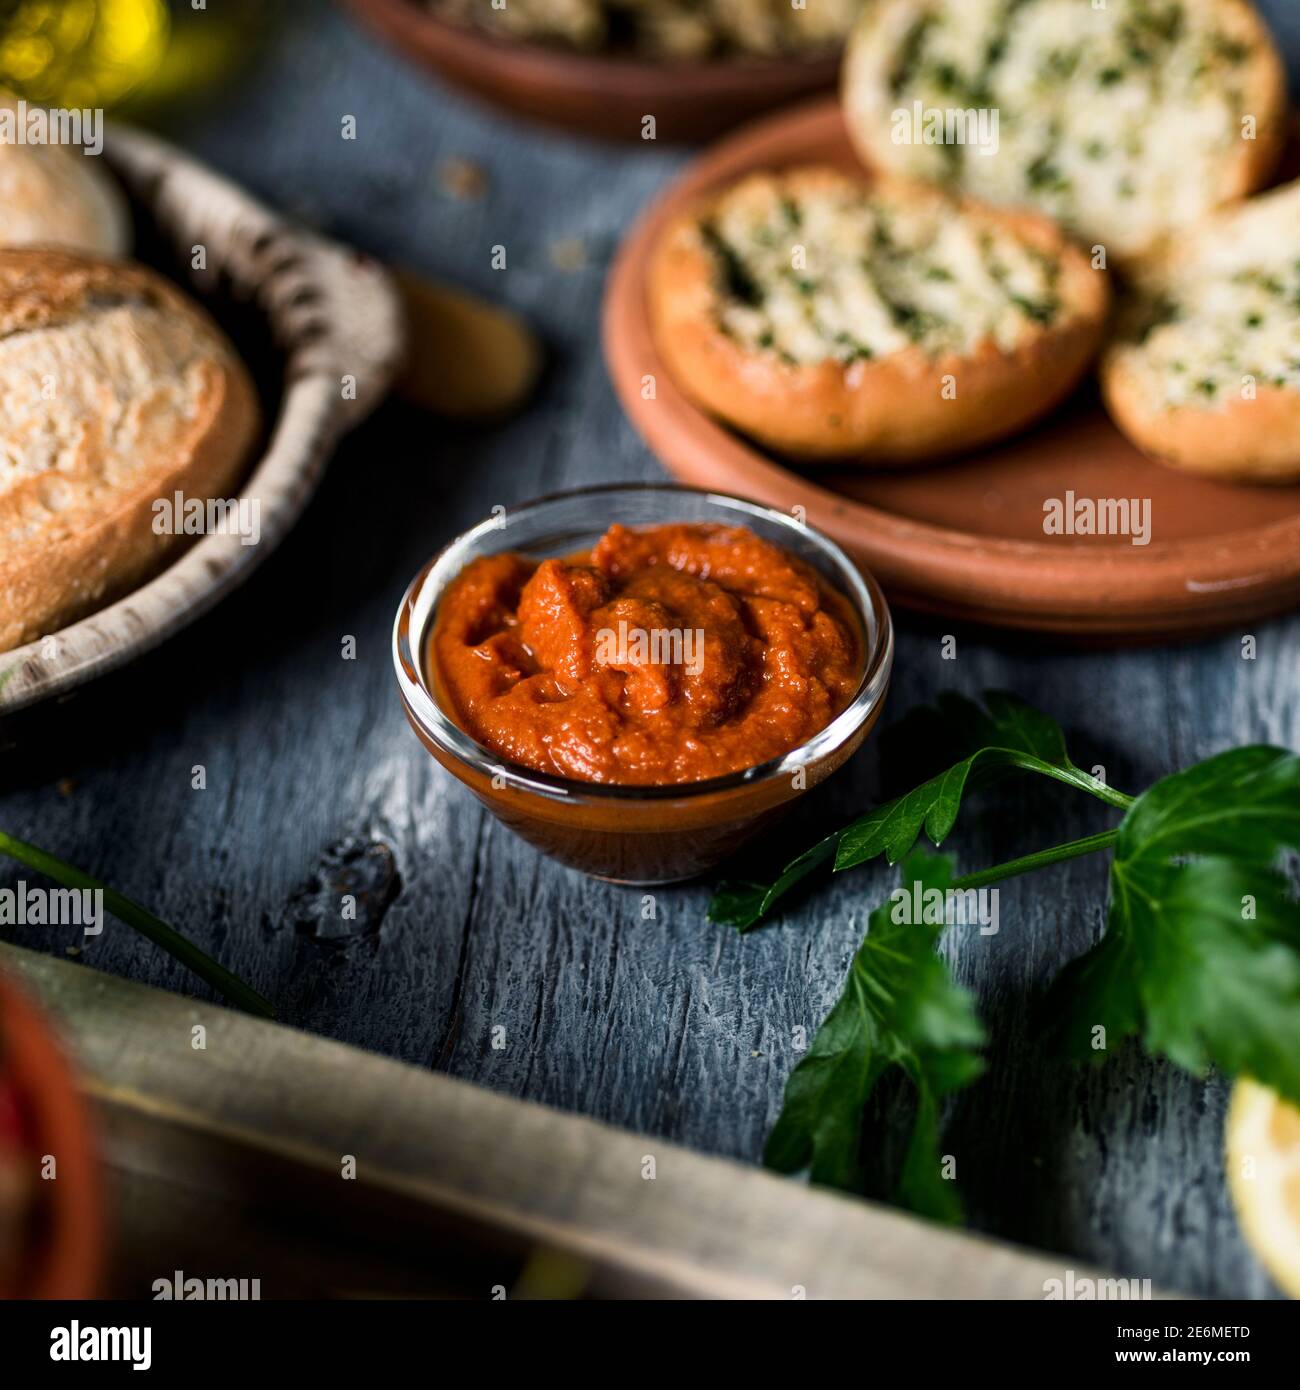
<point x="1200" y="958"/>
<point x="230" y="986"/>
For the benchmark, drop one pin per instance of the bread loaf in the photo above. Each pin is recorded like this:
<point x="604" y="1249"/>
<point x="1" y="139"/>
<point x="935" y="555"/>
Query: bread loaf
<point x="115" y="391"/>
<point x="55" y="195"/>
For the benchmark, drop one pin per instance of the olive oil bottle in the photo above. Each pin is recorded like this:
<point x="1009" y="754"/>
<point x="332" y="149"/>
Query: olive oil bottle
<point x="80" y="53"/>
<point x="136" y="56"/>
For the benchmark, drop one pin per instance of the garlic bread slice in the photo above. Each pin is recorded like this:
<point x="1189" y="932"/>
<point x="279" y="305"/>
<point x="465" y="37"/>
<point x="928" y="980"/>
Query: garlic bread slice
<point x="1124" y="121"/>
<point x="833" y="316"/>
<point x="1203" y="370"/>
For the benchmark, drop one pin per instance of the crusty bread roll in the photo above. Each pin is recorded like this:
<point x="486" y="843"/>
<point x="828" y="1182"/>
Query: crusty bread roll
<point x="870" y="318"/>
<point x="1124" y="122"/>
<point x="57" y="196"/>
<point x="1203" y="370"/>
<point x="115" y="390"/>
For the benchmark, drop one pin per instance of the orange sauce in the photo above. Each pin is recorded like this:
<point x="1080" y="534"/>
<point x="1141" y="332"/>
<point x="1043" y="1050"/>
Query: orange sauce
<point x="663" y="655"/>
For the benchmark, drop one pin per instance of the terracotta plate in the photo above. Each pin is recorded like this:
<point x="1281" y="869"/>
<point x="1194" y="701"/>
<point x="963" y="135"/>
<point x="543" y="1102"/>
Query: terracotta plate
<point x="596" y="94"/>
<point x="966" y="538"/>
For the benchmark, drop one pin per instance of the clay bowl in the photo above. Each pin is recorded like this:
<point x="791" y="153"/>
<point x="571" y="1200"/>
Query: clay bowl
<point x="599" y="95"/>
<point x="965" y="538"/>
<point x="66" y="1258"/>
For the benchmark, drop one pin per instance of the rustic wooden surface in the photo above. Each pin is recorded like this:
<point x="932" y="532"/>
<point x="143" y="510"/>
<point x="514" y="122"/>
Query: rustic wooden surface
<point x="671" y="1026"/>
<point x="242" y="1141"/>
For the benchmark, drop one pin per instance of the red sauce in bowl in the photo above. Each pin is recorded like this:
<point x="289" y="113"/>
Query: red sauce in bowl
<point x="664" y="655"/>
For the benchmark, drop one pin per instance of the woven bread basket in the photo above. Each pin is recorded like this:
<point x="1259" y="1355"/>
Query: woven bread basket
<point x="333" y="339"/>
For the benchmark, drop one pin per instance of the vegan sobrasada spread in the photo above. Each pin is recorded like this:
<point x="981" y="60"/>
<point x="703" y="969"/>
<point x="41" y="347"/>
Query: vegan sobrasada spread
<point x="663" y="655"/>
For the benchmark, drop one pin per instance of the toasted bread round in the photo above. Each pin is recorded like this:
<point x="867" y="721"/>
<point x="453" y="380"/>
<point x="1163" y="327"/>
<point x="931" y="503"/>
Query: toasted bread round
<point x="1203" y="370"/>
<point x="55" y="195"/>
<point x="1123" y="122"/>
<point x="870" y="318"/>
<point x="117" y="392"/>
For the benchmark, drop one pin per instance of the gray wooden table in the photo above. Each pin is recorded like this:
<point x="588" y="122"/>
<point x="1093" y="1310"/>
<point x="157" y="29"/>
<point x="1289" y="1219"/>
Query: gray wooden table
<point x="674" y="1027"/>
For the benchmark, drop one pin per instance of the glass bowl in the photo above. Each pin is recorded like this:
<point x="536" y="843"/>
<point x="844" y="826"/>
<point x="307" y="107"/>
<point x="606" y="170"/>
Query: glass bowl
<point x="635" y="834"/>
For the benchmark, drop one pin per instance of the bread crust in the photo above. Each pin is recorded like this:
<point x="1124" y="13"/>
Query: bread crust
<point x="1256" y="441"/>
<point x="1259" y="159"/>
<point x="53" y="195"/>
<point x="1253" y="439"/>
<point x="79" y="533"/>
<point x="890" y="410"/>
<point x="874" y="48"/>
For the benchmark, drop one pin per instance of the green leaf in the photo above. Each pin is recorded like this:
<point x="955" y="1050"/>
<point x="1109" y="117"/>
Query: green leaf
<point x="954" y="727"/>
<point x="1005" y="733"/>
<point x="744" y="905"/>
<point x="899" y="1009"/>
<point x="1201" y="955"/>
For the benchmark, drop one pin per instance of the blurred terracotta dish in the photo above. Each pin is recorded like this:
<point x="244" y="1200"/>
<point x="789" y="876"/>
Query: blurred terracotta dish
<point x="51" y="1231"/>
<point x="970" y="538"/>
<point x="669" y="31"/>
<point x="606" y="94"/>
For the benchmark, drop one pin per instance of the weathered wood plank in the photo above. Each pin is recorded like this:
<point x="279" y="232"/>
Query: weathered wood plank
<point x="263" y="1122"/>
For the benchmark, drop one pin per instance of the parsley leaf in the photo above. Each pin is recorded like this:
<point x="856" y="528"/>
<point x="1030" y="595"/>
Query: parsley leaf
<point x="1201" y="954"/>
<point x="899" y="1009"/>
<point x="1004" y="734"/>
<point x="744" y="905"/>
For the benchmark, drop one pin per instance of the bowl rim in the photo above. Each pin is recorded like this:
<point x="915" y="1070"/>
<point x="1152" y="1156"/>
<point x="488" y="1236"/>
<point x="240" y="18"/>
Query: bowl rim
<point x="857" y="584"/>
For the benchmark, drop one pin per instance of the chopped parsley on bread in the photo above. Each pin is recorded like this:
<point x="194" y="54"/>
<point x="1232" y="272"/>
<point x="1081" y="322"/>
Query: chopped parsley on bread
<point x="1203" y="370"/>
<point x="1124" y="122"/>
<point x="833" y="316"/>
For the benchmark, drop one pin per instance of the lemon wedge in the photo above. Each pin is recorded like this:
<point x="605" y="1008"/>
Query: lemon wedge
<point x="1264" y="1177"/>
